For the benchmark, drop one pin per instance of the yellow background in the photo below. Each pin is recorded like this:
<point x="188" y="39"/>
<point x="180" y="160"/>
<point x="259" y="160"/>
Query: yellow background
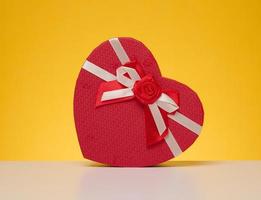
<point x="212" y="46"/>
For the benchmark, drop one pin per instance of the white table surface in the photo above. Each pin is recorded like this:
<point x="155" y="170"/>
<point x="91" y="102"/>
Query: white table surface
<point x="84" y="180"/>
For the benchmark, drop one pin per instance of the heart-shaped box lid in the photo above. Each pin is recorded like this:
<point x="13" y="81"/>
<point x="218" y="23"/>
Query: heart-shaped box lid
<point x="126" y="113"/>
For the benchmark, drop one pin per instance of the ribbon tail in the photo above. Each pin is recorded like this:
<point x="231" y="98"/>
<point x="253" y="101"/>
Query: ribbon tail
<point x="152" y="132"/>
<point x="156" y="116"/>
<point x="112" y="92"/>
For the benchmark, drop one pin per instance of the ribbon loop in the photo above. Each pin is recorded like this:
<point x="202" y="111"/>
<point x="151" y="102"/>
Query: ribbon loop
<point x="167" y="104"/>
<point x="124" y="80"/>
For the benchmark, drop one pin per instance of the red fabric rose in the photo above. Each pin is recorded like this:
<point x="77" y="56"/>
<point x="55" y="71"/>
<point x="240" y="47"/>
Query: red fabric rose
<point x="146" y="90"/>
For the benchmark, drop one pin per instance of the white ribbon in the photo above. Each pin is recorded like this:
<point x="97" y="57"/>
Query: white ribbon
<point x="164" y="101"/>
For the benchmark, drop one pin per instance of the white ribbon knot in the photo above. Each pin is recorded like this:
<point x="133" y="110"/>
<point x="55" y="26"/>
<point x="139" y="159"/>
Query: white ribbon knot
<point x="164" y="101"/>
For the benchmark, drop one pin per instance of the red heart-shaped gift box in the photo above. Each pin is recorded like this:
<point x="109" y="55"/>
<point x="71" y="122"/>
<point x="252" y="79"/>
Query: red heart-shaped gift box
<point x="119" y="131"/>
